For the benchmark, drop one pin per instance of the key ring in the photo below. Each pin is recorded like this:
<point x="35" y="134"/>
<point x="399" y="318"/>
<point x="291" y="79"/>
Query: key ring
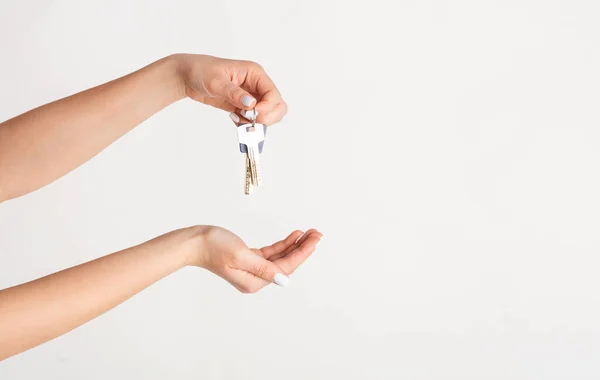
<point x="253" y="116"/>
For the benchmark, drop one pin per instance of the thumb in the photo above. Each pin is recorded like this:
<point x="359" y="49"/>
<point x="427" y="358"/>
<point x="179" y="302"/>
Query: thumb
<point x="260" y="267"/>
<point x="235" y="95"/>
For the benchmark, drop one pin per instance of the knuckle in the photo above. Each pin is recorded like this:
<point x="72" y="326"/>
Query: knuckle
<point x="235" y="259"/>
<point x="234" y="92"/>
<point x="212" y="86"/>
<point x="261" y="271"/>
<point x="254" y="66"/>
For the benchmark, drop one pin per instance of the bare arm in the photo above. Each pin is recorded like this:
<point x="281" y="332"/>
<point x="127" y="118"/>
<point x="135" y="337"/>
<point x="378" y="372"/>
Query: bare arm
<point x="41" y="145"/>
<point x="40" y="310"/>
<point x="44" y="144"/>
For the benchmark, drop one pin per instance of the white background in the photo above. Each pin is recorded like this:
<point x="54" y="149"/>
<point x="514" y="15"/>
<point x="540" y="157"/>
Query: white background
<point x="448" y="150"/>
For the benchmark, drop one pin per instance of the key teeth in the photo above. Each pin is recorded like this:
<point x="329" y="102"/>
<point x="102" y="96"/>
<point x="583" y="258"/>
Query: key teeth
<point x="248" y="179"/>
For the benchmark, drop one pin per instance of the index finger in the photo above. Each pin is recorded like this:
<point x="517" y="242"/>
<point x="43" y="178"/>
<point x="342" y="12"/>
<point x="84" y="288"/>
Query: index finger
<point x="260" y="84"/>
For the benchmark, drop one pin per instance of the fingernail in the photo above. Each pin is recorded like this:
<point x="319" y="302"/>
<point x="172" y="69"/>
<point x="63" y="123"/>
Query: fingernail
<point x="281" y="279"/>
<point x="247" y="100"/>
<point x="319" y="242"/>
<point x="249" y="114"/>
<point x="234" y="117"/>
<point x="299" y="237"/>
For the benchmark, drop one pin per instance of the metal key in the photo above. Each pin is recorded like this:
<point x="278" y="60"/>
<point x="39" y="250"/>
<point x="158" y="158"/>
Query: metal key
<point x="250" y="115"/>
<point x="249" y="186"/>
<point x="251" y="137"/>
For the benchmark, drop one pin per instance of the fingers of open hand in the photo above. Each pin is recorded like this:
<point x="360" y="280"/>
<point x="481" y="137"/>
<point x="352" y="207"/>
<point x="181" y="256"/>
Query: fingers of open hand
<point x="280" y="246"/>
<point x="299" y="252"/>
<point x="296" y="244"/>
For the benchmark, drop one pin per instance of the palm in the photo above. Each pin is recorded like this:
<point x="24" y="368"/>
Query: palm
<point x="288" y="254"/>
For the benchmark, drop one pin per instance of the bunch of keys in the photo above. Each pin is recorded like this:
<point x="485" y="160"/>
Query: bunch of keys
<point x="251" y="137"/>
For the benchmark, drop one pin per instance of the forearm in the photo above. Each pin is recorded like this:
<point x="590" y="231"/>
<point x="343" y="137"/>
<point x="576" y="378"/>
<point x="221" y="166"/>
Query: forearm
<point x="43" y="144"/>
<point x="40" y="310"/>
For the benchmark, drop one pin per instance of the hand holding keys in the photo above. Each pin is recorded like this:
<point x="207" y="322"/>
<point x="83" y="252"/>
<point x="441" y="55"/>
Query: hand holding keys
<point x="251" y="138"/>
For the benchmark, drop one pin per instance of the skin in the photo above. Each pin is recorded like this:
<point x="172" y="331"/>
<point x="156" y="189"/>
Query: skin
<point x="44" y="144"/>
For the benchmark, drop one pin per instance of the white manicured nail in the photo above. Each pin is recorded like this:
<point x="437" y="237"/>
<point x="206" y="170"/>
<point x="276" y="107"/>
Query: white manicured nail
<point x="234" y="117"/>
<point x="249" y="114"/>
<point x="281" y="279"/>
<point x="300" y="237"/>
<point x="247" y="100"/>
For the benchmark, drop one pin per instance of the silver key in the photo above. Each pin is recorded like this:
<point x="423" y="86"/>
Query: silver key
<point x="251" y="138"/>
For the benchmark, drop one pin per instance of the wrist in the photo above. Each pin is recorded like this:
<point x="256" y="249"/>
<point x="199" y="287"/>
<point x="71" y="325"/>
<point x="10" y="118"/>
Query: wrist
<point x="194" y="245"/>
<point x="172" y="66"/>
